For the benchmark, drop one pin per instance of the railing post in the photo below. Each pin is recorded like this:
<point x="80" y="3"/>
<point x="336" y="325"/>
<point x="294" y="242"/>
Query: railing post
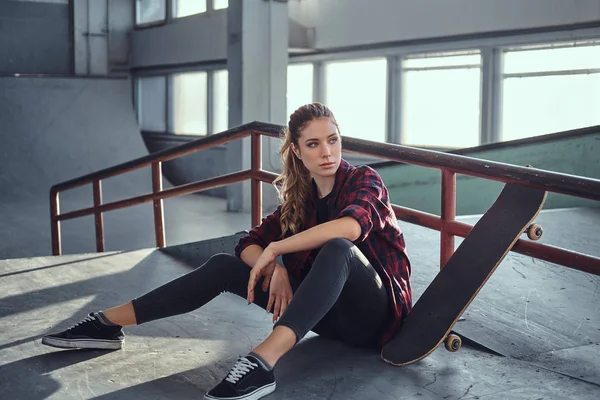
<point x="448" y="214"/>
<point x="159" y="220"/>
<point x="55" y="223"/>
<point x="98" y="216"/>
<point x="256" y="188"/>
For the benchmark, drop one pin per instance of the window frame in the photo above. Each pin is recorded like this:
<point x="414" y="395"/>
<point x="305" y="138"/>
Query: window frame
<point x="138" y="102"/>
<point x="169" y="73"/>
<point x="323" y="79"/>
<point x="151" y="24"/>
<point x="403" y="68"/>
<point x="170" y="6"/>
<point x="560" y="72"/>
<point x="490" y="48"/>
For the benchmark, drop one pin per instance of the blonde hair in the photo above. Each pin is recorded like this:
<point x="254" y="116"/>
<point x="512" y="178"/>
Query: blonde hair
<point x="294" y="182"/>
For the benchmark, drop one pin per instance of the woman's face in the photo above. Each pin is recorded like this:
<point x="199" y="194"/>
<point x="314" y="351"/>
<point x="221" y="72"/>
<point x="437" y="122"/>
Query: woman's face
<point x="320" y="147"/>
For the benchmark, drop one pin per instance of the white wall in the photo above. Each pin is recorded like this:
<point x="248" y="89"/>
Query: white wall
<point x="341" y="23"/>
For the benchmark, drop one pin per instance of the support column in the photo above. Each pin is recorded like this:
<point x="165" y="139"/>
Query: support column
<point x="257" y="59"/>
<point x="394" y="100"/>
<point x="491" y="96"/>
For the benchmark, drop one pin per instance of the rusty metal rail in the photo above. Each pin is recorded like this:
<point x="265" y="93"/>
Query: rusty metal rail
<point x="448" y="164"/>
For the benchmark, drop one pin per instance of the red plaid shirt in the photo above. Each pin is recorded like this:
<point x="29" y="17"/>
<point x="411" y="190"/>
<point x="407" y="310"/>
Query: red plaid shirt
<point x="358" y="192"/>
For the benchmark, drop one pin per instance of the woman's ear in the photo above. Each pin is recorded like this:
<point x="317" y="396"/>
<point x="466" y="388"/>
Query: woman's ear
<point x="296" y="152"/>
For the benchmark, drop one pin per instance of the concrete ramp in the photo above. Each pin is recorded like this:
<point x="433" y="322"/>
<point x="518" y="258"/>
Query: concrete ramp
<point x="56" y="129"/>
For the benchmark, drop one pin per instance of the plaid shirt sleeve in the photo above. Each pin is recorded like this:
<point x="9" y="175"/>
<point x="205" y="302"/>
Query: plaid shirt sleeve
<point x="268" y="231"/>
<point x="366" y="202"/>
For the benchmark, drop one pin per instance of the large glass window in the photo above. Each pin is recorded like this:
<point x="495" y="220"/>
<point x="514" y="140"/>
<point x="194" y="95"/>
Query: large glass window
<point x="441" y="101"/>
<point x="151" y="103"/>
<point x="220" y="101"/>
<point x="299" y="86"/>
<point x="550" y="90"/>
<point x="189" y="106"/>
<point x="220" y="4"/>
<point x="356" y="93"/>
<point x="183" y="8"/>
<point x="552" y="59"/>
<point x="149" y="11"/>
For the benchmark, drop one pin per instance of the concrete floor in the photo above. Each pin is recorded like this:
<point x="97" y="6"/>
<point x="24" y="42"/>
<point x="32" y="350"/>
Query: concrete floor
<point x="184" y="356"/>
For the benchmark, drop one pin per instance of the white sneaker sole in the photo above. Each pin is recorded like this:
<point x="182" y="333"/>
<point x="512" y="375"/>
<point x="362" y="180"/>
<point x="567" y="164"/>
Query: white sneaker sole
<point x="263" y="391"/>
<point x="83" y="343"/>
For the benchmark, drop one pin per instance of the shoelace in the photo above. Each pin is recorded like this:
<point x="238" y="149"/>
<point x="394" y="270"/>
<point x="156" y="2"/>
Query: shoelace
<point x="241" y="368"/>
<point x="88" y="318"/>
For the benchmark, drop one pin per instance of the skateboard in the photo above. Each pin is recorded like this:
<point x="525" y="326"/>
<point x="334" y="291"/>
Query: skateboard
<point x="433" y="316"/>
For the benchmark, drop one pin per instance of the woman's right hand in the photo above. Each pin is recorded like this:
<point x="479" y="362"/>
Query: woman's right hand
<point x="280" y="293"/>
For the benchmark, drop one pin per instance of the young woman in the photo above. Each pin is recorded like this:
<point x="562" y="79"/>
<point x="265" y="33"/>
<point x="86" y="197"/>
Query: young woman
<point x="345" y="274"/>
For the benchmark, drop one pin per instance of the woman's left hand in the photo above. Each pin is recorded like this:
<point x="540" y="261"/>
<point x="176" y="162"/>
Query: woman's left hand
<point x="263" y="266"/>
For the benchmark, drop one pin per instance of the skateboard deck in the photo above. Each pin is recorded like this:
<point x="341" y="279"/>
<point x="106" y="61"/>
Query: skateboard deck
<point x="443" y="302"/>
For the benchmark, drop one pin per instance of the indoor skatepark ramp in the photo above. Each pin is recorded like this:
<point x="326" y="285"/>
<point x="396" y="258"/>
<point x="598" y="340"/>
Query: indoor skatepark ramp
<point x="56" y="129"/>
<point x="573" y="152"/>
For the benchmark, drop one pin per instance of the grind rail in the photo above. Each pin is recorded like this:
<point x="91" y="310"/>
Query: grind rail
<point x="449" y="164"/>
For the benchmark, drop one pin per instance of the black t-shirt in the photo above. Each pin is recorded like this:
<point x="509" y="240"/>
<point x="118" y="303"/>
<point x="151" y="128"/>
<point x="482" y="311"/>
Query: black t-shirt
<point x="322" y="216"/>
<point x="322" y="213"/>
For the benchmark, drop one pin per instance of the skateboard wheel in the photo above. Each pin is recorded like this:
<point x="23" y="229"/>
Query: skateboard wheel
<point x="535" y="232"/>
<point x="453" y="342"/>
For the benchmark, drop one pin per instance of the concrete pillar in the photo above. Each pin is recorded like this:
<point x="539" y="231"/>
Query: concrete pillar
<point x="257" y="59"/>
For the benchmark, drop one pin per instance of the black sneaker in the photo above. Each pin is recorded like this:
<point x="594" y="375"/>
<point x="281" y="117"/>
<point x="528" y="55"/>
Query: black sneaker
<point x="247" y="380"/>
<point x="88" y="333"/>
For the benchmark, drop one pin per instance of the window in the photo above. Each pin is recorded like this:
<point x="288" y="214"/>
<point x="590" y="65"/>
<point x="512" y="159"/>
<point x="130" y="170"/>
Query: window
<point x="441" y="101"/>
<point x="299" y="86"/>
<point x="149" y="11"/>
<point x="549" y="90"/>
<point x="552" y="59"/>
<point x="183" y="8"/>
<point x="151" y="98"/>
<point x="220" y="4"/>
<point x="220" y="101"/>
<point x="356" y="93"/>
<point x="189" y="106"/>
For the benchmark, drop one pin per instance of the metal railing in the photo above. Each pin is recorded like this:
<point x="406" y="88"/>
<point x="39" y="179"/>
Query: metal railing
<point x="448" y="164"/>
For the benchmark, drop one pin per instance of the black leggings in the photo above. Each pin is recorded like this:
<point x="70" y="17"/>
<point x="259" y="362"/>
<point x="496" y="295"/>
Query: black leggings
<point x="341" y="298"/>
